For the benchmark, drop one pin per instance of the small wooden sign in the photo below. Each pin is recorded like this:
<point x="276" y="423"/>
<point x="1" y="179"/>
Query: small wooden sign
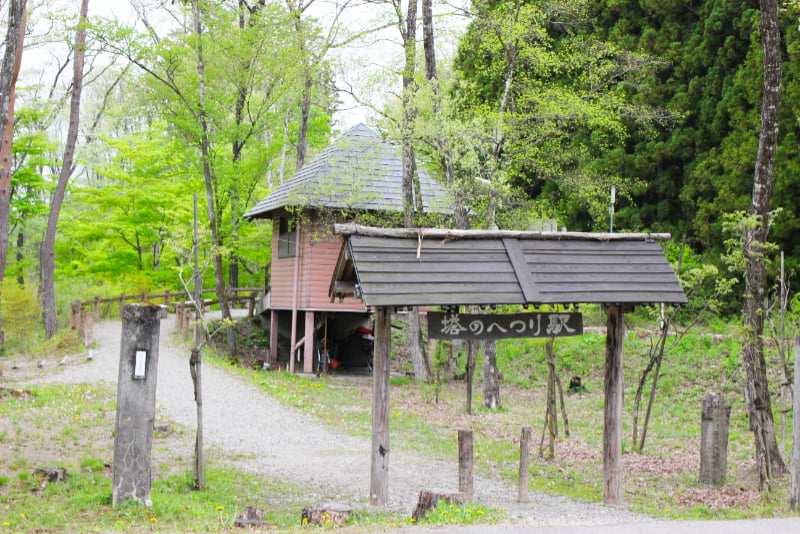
<point x="486" y="326"/>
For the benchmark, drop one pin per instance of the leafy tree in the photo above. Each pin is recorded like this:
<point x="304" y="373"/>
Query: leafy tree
<point x="556" y="99"/>
<point x="135" y="218"/>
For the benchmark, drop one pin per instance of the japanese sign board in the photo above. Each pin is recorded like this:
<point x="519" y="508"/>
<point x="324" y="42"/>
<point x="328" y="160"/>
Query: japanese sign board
<point x="485" y="326"/>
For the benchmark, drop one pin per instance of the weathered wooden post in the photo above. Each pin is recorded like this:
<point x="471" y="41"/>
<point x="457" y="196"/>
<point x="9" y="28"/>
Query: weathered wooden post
<point x="524" y="463"/>
<point x="612" y="418"/>
<point x="465" y="462"/>
<point x="716" y="414"/>
<point x="75" y="315"/>
<point x="96" y="308"/>
<point x="122" y="299"/>
<point x="379" y="474"/>
<point x="794" y="500"/>
<point x="136" y="404"/>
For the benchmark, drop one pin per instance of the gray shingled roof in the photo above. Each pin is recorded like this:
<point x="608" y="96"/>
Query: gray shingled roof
<point x="359" y="171"/>
<point x="468" y="268"/>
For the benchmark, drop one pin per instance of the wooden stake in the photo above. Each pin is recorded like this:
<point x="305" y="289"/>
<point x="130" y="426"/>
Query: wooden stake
<point x="524" y="463"/>
<point x="465" y="461"/>
<point x="794" y="502"/>
<point x="379" y="475"/>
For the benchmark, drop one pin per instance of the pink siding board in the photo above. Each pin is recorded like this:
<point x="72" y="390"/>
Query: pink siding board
<point x="318" y="259"/>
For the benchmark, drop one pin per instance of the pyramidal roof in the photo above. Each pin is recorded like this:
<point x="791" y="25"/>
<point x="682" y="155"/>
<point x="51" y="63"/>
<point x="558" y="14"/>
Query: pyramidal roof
<point x="359" y="171"/>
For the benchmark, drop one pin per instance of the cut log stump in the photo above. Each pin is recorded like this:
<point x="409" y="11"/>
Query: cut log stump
<point x="429" y="498"/>
<point x="326" y="515"/>
<point x="252" y="517"/>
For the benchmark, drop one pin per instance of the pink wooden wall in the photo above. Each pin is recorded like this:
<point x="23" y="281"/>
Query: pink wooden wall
<point x="317" y="258"/>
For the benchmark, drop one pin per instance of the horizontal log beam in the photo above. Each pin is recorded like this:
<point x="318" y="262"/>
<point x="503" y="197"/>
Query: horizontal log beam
<point x="442" y="233"/>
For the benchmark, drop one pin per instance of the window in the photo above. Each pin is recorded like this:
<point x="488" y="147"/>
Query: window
<point x="287" y="238"/>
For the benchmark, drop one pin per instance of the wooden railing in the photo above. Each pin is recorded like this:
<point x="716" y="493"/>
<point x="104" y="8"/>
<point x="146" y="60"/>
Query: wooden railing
<point x="82" y="319"/>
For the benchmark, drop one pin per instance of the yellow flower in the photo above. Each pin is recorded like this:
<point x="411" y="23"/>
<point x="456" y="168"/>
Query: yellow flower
<point x="6" y="523"/>
<point x="22" y="515"/>
<point x="220" y="507"/>
<point x="153" y="519"/>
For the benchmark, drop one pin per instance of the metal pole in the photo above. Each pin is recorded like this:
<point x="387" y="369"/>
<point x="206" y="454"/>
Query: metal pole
<point x="611" y="209"/>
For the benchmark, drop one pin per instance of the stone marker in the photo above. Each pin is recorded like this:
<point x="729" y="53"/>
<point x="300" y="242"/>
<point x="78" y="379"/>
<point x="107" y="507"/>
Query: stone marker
<point x="136" y="404"/>
<point x="714" y="440"/>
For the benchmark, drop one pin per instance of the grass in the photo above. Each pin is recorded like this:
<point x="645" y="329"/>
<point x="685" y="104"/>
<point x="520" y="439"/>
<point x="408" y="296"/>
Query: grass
<point x="660" y="480"/>
<point x="69" y="426"/>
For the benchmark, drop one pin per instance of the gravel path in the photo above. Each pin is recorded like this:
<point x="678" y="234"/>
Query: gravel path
<point x="285" y="444"/>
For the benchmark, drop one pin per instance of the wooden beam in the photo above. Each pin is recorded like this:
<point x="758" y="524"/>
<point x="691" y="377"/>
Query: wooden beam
<point x="612" y="418"/>
<point x="441" y="233"/>
<point x="308" y="349"/>
<point x="379" y="474"/>
<point x="521" y="269"/>
<point x="273" y="336"/>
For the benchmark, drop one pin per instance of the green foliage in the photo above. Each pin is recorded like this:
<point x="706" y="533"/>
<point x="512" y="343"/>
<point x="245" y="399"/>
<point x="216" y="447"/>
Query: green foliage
<point x="553" y="99"/>
<point x="460" y="514"/>
<point x="21" y="309"/>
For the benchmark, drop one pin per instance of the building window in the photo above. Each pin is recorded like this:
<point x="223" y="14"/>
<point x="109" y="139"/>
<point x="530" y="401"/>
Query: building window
<point x="287" y="238"/>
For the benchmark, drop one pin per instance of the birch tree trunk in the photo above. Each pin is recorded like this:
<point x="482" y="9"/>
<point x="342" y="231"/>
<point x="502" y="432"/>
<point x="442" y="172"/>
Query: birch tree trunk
<point x="49" y="244"/>
<point x="12" y="60"/>
<point x="756" y="389"/>
<point x="209" y="177"/>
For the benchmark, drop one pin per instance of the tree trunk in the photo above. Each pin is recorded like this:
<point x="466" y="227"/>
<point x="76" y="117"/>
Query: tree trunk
<point x="208" y="175"/>
<point x="416" y="344"/>
<point x="756" y="390"/>
<point x="305" y="113"/>
<point x="49" y="243"/>
<point x="8" y="82"/>
<point x="427" y="39"/>
<point x="491" y="376"/>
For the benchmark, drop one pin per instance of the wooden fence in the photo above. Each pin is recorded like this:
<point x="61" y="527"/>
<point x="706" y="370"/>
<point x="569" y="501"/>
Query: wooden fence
<point x="82" y="319"/>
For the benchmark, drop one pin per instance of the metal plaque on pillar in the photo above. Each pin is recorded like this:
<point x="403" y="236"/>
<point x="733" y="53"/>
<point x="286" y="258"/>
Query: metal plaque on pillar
<point x="136" y="404"/>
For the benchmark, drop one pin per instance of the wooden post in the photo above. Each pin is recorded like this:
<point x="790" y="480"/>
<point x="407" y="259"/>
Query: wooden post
<point x="794" y="501"/>
<point x="136" y="405"/>
<point x="524" y="463"/>
<point x="167" y="299"/>
<point x="273" y="336"/>
<point x="612" y="418"/>
<point x="465" y="461"/>
<point x="379" y="476"/>
<point x="295" y="296"/>
<point x="121" y="306"/>
<point x="75" y="316"/>
<point x="97" y="308"/>
<point x="308" y="344"/>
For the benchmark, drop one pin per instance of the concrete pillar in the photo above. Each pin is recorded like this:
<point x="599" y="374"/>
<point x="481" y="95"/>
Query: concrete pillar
<point x="716" y="416"/>
<point x="136" y="404"/>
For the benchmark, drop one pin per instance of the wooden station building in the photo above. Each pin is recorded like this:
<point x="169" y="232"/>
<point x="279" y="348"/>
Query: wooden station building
<point x="359" y="173"/>
<point x="390" y="268"/>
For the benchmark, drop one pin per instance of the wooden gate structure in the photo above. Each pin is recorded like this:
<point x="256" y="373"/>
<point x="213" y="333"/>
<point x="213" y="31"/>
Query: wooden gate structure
<point x="395" y="268"/>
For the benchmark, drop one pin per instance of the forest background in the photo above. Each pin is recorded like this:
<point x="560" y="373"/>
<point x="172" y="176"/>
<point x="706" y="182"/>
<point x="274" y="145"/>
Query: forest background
<point x="543" y="107"/>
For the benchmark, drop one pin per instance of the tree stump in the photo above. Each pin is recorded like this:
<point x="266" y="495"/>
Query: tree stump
<point x="252" y="517"/>
<point x="327" y="514"/>
<point x="428" y="499"/>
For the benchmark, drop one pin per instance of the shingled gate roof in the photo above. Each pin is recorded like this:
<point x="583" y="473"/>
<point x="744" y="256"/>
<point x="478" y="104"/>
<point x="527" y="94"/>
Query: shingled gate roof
<point x="360" y="171"/>
<point x="460" y="267"/>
